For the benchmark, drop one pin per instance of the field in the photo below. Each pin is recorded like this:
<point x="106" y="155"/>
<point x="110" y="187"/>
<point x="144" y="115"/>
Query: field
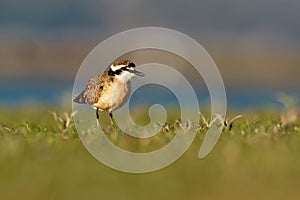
<point x="42" y="157"/>
<point x="255" y="46"/>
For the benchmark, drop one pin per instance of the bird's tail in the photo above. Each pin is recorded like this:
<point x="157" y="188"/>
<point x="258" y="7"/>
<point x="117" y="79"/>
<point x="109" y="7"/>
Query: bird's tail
<point x="80" y="98"/>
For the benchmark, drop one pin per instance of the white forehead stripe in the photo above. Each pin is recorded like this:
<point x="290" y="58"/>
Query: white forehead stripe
<point x="115" y="68"/>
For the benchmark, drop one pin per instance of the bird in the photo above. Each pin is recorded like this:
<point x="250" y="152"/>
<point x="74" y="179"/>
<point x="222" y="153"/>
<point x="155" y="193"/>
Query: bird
<point x="110" y="89"/>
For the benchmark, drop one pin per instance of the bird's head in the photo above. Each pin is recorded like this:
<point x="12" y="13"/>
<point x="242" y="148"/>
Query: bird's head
<point x="124" y="70"/>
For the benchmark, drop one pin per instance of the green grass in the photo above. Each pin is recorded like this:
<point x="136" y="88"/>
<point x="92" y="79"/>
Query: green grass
<point x="42" y="157"/>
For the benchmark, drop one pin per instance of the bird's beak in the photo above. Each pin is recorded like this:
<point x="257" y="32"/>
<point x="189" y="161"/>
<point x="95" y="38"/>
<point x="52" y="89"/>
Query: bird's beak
<point x="135" y="72"/>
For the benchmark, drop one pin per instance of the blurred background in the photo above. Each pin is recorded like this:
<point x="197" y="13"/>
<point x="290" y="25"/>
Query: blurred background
<point x="256" y="46"/>
<point x="255" y="43"/>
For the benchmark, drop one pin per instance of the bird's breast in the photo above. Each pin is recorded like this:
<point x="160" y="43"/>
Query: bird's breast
<point x="114" y="95"/>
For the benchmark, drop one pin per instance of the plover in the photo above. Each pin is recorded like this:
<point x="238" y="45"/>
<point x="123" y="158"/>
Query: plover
<point x="109" y="90"/>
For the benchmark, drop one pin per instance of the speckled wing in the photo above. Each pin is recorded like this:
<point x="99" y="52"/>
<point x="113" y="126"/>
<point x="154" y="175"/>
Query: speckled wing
<point x="92" y="92"/>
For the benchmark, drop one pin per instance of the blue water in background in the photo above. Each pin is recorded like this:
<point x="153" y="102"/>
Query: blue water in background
<point x="52" y="93"/>
<point x="46" y="92"/>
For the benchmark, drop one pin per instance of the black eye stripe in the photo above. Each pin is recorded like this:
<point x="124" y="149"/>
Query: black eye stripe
<point x="131" y="65"/>
<point x="119" y="71"/>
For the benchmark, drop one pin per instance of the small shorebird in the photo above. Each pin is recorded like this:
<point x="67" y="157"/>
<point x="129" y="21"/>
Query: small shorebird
<point x="109" y="90"/>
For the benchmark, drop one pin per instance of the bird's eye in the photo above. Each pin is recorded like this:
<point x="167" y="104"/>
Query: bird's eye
<point x="131" y="65"/>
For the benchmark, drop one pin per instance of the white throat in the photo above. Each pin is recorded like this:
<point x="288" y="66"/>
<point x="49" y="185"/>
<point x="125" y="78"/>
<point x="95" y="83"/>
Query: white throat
<point x="125" y="76"/>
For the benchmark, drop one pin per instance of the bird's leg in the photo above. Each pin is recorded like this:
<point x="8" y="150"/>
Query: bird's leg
<point x="112" y="120"/>
<point x="97" y="114"/>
